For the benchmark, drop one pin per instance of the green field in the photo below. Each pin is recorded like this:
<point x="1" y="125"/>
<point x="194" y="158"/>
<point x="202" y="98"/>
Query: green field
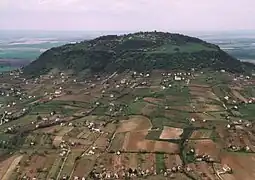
<point x="188" y="48"/>
<point x="160" y="162"/>
<point x="247" y="111"/>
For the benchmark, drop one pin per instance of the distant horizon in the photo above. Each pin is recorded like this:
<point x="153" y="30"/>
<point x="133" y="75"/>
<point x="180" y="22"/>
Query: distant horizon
<point x="144" y="30"/>
<point x="93" y="33"/>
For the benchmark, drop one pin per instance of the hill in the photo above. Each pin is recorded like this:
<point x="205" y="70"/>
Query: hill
<point x="141" y="51"/>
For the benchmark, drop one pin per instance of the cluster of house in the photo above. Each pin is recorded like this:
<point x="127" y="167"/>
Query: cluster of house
<point x="8" y="116"/>
<point x="64" y="149"/>
<point x="199" y="157"/>
<point x="234" y="102"/>
<point x="93" y="127"/>
<point x="242" y="77"/>
<point x="239" y="124"/>
<point x="136" y="173"/>
<point x="239" y="148"/>
<point x="13" y="92"/>
<point x="75" y="178"/>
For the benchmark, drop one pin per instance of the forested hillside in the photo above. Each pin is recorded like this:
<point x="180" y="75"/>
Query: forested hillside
<point x="141" y="51"/>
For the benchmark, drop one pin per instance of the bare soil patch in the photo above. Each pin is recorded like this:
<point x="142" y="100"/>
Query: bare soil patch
<point x="136" y="142"/>
<point x="149" y="162"/>
<point x="81" y="97"/>
<point x="101" y="143"/>
<point x="194" y="85"/>
<point x="203" y="116"/>
<point x="203" y="168"/>
<point x="202" y="94"/>
<point x="212" y="107"/>
<point x="171" y="133"/>
<point x="205" y="147"/>
<point x="211" y="95"/>
<point x="36" y="163"/>
<point x="51" y="129"/>
<point x="4" y="165"/>
<point x="243" y="165"/>
<point x="57" y="140"/>
<point x="153" y="100"/>
<point x="149" y="109"/>
<point x="117" y="142"/>
<point x="198" y="98"/>
<point x="201" y="134"/>
<point x="172" y="161"/>
<point x="129" y="160"/>
<point x="64" y="130"/>
<point x="11" y="168"/>
<point x="70" y="162"/>
<point x="173" y="98"/>
<point x="239" y="96"/>
<point x="199" y="88"/>
<point x="182" y="108"/>
<point x="134" y="123"/>
<point x="80" y="169"/>
<point x="171" y="113"/>
<point x="155" y="88"/>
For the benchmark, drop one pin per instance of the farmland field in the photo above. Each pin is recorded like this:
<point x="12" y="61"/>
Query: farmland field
<point x="150" y="127"/>
<point x="201" y="134"/>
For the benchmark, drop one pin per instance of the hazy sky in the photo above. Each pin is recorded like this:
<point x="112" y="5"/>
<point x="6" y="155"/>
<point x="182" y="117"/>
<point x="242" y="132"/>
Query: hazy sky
<point x="185" y="15"/>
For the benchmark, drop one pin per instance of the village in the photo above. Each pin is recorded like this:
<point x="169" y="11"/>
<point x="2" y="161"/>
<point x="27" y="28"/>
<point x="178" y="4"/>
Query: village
<point x="129" y="125"/>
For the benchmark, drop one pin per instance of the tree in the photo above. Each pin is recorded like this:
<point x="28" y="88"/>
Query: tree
<point x="176" y="49"/>
<point x="39" y="118"/>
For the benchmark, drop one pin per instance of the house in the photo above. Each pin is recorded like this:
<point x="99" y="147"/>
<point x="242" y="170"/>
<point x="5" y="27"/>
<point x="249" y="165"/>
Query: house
<point x="57" y="92"/>
<point x="123" y="81"/>
<point x="226" y="98"/>
<point x="247" y="148"/>
<point x="163" y="87"/>
<point x="177" y="78"/>
<point x="193" y="120"/>
<point x="91" y="152"/>
<point x="45" y="119"/>
<point x="226" y="168"/>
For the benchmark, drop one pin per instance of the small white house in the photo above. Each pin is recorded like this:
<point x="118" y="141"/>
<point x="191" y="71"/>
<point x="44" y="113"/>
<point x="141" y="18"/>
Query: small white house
<point x="123" y="81"/>
<point x="226" y="98"/>
<point x="58" y="92"/>
<point x="193" y="120"/>
<point x="177" y="78"/>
